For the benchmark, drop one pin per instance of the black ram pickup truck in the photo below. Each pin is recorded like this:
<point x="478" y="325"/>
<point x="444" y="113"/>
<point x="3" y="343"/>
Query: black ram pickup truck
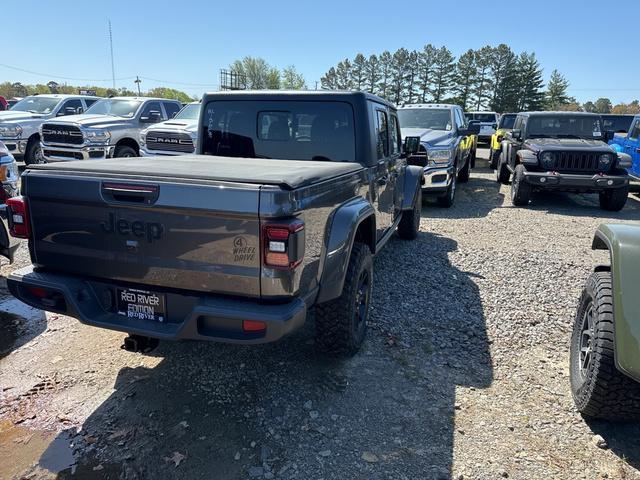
<point x="565" y="151"/>
<point x="281" y="211"/>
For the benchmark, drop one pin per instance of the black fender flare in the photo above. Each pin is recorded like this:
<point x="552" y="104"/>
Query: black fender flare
<point x="344" y="224"/>
<point x="413" y="180"/>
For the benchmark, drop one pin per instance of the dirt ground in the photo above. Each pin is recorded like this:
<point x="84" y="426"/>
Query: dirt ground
<point x="464" y="374"/>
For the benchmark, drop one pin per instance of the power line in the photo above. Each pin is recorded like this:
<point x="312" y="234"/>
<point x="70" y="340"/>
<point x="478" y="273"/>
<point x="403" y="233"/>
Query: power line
<point x="49" y="75"/>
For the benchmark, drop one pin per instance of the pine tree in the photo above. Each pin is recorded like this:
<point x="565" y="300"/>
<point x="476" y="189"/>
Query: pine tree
<point x="503" y="78"/>
<point x="292" y="80"/>
<point x="372" y="74"/>
<point x="413" y="67"/>
<point x="426" y="61"/>
<point x="556" y="95"/>
<point x="329" y="81"/>
<point x="399" y="75"/>
<point x="482" y="92"/>
<point x="465" y="78"/>
<point x="443" y="74"/>
<point x="529" y="78"/>
<point x="386" y="61"/>
<point x="343" y="75"/>
<point x="358" y="72"/>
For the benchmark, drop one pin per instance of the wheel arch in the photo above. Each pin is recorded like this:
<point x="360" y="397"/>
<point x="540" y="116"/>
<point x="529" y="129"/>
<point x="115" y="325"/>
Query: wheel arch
<point x="353" y="221"/>
<point x="128" y="142"/>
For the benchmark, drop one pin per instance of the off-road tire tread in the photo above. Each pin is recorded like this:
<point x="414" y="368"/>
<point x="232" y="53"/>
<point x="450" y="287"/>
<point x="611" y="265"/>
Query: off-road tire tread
<point x="607" y="393"/>
<point x="333" y="332"/>
<point x="522" y="194"/>
<point x="615" y="199"/>
<point x="502" y="172"/>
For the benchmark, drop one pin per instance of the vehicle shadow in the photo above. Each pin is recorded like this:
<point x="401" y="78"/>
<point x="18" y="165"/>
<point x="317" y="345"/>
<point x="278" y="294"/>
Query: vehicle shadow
<point x="623" y="439"/>
<point x="222" y="411"/>
<point x="474" y="199"/>
<point x="582" y="205"/>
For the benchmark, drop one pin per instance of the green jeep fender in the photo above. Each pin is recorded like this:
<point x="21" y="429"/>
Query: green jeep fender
<point x="623" y="243"/>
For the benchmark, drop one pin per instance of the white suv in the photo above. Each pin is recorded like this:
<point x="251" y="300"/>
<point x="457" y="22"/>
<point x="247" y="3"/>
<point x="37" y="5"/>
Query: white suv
<point x="488" y="123"/>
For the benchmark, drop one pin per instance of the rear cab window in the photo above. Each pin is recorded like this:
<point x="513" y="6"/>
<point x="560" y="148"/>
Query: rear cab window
<point x="288" y="130"/>
<point x="382" y="134"/>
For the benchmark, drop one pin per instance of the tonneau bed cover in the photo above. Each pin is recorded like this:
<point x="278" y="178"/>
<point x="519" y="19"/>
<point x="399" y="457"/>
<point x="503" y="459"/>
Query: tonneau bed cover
<point x="287" y="174"/>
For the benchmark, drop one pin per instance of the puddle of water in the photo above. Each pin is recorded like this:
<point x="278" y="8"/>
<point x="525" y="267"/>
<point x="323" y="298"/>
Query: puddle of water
<point x="21" y="449"/>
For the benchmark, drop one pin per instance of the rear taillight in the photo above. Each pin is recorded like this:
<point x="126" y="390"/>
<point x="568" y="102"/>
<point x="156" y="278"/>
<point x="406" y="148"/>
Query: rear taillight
<point x="283" y="244"/>
<point x="18" y="217"/>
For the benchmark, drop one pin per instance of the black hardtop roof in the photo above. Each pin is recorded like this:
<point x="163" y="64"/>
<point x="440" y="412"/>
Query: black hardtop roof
<point x="557" y="113"/>
<point x="618" y="115"/>
<point x="321" y="95"/>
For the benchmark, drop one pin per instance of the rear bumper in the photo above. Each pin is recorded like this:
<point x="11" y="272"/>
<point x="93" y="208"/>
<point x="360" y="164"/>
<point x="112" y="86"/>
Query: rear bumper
<point x="54" y="153"/>
<point x="437" y="179"/>
<point x="194" y="317"/>
<point x="585" y="183"/>
<point x="8" y="244"/>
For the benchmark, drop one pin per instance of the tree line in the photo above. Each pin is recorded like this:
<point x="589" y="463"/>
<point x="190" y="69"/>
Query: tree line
<point x="491" y="78"/>
<point x="17" y="89"/>
<point x="256" y="74"/>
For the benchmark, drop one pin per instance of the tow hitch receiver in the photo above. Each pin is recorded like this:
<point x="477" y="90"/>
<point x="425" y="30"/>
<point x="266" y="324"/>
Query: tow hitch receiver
<point x="139" y="343"/>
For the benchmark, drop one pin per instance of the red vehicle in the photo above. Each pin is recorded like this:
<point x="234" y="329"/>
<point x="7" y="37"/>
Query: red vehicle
<point x="4" y="105"/>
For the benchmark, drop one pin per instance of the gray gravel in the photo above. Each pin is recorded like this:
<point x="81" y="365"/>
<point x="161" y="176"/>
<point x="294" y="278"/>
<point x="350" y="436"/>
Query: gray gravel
<point x="464" y="373"/>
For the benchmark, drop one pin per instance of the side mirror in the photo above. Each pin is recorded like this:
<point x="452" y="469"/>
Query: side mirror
<point x="495" y="126"/>
<point x="608" y="135"/>
<point x="411" y="145"/>
<point x="515" y="134"/>
<point x="153" y="117"/>
<point x="473" y="128"/>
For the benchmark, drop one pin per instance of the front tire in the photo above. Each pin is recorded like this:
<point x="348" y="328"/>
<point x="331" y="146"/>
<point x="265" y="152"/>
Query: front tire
<point x="448" y="198"/>
<point x="410" y="222"/>
<point x="599" y="389"/>
<point x="123" y="151"/>
<point x="465" y="173"/>
<point x="341" y="324"/>
<point x="33" y="154"/>
<point x="494" y="157"/>
<point x="520" y="189"/>
<point x="615" y="199"/>
<point x="502" y="172"/>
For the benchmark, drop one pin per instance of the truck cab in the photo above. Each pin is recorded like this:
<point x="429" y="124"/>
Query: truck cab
<point x="109" y="128"/>
<point x="177" y="136"/>
<point x="488" y="124"/>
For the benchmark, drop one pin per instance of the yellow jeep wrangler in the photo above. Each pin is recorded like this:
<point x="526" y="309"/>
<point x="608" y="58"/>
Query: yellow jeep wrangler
<point x="505" y="125"/>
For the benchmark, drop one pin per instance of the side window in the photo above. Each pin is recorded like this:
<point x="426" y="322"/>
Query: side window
<point x="171" y="108"/>
<point x="459" y="118"/>
<point x="71" y="107"/>
<point x="382" y="134"/>
<point x="634" y="133"/>
<point x="89" y="101"/>
<point x="395" y="135"/>
<point x="148" y="110"/>
<point x="518" y="124"/>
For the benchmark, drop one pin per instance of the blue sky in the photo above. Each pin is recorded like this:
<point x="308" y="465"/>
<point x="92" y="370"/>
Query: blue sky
<point x="185" y="43"/>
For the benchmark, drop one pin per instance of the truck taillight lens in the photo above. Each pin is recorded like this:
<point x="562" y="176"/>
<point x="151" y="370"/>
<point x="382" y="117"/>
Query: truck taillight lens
<point x="18" y="217"/>
<point x="283" y="244"/>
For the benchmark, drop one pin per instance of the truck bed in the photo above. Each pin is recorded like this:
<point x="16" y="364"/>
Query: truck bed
<point x="287" y="174"/>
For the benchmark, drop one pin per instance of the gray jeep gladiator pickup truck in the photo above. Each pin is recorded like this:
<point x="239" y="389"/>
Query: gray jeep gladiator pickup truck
<point x="237" y="249"/>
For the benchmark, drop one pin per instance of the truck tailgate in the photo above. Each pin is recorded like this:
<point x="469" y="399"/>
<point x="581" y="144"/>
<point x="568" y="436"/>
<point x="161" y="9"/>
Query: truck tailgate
<point x="153" y="231"/>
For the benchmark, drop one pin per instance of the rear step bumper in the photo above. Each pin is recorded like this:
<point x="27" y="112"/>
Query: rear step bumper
<point x="208" y="317"/>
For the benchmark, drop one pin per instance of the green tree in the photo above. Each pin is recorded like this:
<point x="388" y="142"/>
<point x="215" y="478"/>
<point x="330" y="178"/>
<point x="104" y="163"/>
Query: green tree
<point x="589" y="106"/>
<point x="603" y="105"/>
<point x="372" y="74"/>
<point x="292" y="80"/>
<point x="399" y="75"/>
<point x="426" y="65"/>
<point x="386" y="61"/>
<point x="442" y="74"/>
<point x="329" y="81"/>
<point x="343" y="75"/>
<point x="164" y="92"/>
<point x="503" y="70"/>
<point x="556" y="96"/>
<point x="255" y="70"/>
<point x="465" y="78"/>
<point x="530" y="83"/>
<point x="482" y="86"/>
<point x="358" y="72"/>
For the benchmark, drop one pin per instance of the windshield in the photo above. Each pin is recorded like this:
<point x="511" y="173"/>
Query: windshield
<point x="507" y="121"/>
<point x="189" y="112"/>
<point x="617" y="123"/>
<point x="289" y="130"/>
<point x="432" y="118"/>
<point x="565" y="126"/>
<point x="119" y="108"/>
<point x="44" y="105"/>
<point x="482" y="117"/>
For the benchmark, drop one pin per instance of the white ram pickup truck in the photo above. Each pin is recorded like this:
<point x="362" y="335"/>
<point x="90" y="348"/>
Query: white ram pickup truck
<point x="178" y="136"/>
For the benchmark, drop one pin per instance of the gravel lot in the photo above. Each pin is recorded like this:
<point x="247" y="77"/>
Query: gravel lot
<point x="464" y="374"/>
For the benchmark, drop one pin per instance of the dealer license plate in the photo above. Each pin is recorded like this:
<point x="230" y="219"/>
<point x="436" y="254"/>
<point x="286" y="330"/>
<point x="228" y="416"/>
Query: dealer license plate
<point x="141" y="304"/>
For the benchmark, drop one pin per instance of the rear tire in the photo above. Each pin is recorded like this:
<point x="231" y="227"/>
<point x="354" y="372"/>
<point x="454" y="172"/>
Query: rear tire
<point x="123" y="151"/>
<point x="465" y="173"/>
<point x="520" y="189"/>
<point x="494" y="156"/>
<point x="410" y="222"/>
<point x="615" y="199"/>
<point x="599" y="389"/>
<point x="341" y="324"/>
<point x="502" y="172"/>
<point x="33" y="154"/>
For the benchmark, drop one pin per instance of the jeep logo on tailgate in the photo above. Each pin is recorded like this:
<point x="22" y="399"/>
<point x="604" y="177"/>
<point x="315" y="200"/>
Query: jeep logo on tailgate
<point x="151" y="230"/>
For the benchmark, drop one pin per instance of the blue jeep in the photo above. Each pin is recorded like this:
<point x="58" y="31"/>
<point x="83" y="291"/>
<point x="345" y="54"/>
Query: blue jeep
<point x="630" y="145"/>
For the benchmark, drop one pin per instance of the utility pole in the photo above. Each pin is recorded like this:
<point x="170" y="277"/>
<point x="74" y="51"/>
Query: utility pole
<point x="113" y="71"/>
<point x="138" y="81"/>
